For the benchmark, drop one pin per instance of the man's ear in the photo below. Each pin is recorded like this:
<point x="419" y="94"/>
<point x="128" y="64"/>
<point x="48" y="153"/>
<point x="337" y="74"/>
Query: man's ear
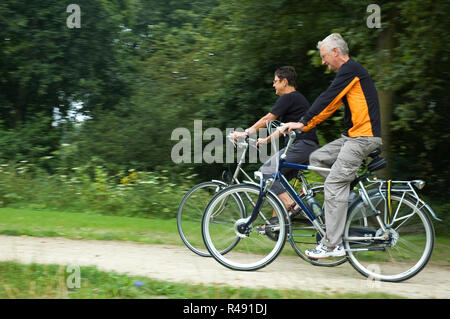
<point x="335" y="52"/>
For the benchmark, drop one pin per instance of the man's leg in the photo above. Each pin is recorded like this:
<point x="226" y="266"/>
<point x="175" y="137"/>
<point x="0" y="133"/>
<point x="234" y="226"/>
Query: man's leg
<point x="326" y="155"/>
<point x="337" y="185"/>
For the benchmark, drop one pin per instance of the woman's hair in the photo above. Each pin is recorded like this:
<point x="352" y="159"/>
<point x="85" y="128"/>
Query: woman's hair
<point x="288" y="73"/>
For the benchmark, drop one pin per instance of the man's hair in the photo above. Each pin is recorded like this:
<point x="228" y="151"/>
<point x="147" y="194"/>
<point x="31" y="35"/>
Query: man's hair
<point x="332" y="41"/>
<point x="288" y="73"/>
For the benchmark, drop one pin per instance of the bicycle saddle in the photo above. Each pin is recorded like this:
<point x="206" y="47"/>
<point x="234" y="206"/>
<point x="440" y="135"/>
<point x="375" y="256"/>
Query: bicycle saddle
<point x="377" y="164"/>
<point x="375" y="152"/>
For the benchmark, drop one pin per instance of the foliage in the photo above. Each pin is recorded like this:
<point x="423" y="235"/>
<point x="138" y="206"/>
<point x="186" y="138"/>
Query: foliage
<point x="46" y="65"/>
<point x="31" y="141"/>
<point x="405" y="58"/>
<point x="89" y="188"/>
<point x="140" y="69"/>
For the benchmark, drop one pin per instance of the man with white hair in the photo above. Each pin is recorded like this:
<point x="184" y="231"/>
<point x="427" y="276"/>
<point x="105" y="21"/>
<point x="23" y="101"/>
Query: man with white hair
<point x="354" y="89"/>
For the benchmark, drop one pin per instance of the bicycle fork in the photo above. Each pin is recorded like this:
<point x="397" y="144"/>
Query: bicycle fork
<point x="264" y="186"/>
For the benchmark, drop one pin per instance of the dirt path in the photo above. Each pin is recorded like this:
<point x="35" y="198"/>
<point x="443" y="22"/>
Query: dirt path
<point x="176" y="263"/>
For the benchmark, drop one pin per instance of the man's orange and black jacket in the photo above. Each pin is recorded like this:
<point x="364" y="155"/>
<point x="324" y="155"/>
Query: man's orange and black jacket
<point x="354" y="88"/>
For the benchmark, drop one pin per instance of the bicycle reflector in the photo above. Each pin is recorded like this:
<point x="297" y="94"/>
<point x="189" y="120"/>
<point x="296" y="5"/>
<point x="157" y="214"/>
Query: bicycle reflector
<point x="418" y="183"/>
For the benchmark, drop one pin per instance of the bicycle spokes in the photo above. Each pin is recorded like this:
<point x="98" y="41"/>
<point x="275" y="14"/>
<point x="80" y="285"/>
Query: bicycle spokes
<point x="255" y="245"/>
<point x="399" y="251"/>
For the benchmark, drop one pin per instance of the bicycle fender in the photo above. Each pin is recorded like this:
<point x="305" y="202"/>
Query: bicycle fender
<point x="432" y="213"/>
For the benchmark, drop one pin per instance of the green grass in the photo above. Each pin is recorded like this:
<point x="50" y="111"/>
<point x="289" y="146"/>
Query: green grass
<point x="74" y="225"/>
<point x="50" y="282"/>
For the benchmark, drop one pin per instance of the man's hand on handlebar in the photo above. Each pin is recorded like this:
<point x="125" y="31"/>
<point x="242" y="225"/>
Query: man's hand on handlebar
<point x="291" y="126"/>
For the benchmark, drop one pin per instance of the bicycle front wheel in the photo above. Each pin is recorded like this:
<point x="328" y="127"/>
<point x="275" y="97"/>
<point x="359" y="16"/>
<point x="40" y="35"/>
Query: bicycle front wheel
<point x="259" y="244"/>
<point x="190" y="214"/>
<point x="396" y="254"/>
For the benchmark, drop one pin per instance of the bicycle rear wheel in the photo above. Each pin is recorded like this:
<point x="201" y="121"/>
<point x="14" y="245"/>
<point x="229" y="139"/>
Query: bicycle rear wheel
<point x="190" y="214"/>
<point x="407" y="245"/>
<point x="260" y="244"/>
<point x="303" y="235"/>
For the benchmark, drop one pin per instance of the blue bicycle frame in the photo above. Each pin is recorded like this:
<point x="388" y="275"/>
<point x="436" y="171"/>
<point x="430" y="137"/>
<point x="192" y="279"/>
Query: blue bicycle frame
<point x="291" y="191"/>
<point x="264" y="189"/>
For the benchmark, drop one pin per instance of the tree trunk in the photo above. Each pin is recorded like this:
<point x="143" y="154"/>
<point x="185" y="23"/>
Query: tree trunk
<point x="385" y="46"/>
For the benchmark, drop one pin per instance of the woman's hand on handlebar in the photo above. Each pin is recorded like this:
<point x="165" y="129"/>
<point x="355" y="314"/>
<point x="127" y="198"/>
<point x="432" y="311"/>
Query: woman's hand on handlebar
<point x="291" y="126"/>
<point x="237" y="135"/>
<point x="263" y="141"/>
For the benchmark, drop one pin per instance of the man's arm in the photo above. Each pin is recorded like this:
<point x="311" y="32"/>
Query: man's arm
<point x="330" y="100"/>
<point x="291" y="126"/>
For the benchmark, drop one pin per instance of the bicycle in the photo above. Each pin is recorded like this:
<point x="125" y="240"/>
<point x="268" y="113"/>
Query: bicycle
<point x="191" y="208"/>
<point x="388" y="234"/>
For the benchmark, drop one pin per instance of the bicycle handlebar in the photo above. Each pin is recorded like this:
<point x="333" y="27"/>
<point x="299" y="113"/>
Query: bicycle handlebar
<point x="245" y="143"/>
<point x="251" y="141"/>
<point x="292" y="137"/>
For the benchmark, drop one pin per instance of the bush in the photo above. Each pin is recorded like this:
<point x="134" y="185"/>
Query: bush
<point x="90" y="188"/>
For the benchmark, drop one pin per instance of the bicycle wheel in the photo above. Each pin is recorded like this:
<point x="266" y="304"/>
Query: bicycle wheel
<point x="260" y="244"/>
<point x="407" y="245"/>
<point x="303" y="235"/>
<point x="190" y="214"/>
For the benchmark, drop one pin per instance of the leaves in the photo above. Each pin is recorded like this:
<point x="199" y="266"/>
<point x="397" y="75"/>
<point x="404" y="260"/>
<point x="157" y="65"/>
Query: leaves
<point x="143" y="68"/>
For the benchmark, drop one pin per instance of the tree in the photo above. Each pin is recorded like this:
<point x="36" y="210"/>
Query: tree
<point x="405" y="58"/>
<point x="44" y="64"/>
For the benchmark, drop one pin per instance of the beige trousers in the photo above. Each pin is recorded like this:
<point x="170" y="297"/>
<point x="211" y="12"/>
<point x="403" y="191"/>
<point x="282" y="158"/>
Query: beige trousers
<point x="343" y="156"/>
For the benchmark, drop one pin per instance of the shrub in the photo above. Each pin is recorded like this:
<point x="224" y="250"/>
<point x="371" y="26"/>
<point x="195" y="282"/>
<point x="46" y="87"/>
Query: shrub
<point x="90" y="188"/>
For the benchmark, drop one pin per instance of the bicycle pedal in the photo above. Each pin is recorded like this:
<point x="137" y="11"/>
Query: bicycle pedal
<point x="261" y="230"/>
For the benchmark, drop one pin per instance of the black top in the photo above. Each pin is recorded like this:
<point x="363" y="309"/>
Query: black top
<point x="289" y="108"/>
<point x="354" y="88"/>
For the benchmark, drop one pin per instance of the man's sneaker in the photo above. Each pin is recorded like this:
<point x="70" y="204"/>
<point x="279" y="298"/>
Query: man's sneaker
<point x="322" y="251"/>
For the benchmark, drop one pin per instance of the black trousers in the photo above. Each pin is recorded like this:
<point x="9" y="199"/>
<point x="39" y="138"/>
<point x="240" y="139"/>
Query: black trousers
<point x="298" y="153"/>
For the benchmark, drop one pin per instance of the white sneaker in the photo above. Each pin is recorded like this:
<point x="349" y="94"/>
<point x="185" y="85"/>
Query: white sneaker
<point x="322" y="251"/>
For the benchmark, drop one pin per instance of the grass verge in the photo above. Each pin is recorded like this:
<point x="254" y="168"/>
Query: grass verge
<point x="50" y="223"/>
<point x="37" y="281"/>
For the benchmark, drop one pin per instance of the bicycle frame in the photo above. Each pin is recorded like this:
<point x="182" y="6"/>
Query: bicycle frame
<point x="384" y="225"/>
<point x="239" y="169"/>
<point x="294" y="194"/>
<point x="265" y="186"/>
